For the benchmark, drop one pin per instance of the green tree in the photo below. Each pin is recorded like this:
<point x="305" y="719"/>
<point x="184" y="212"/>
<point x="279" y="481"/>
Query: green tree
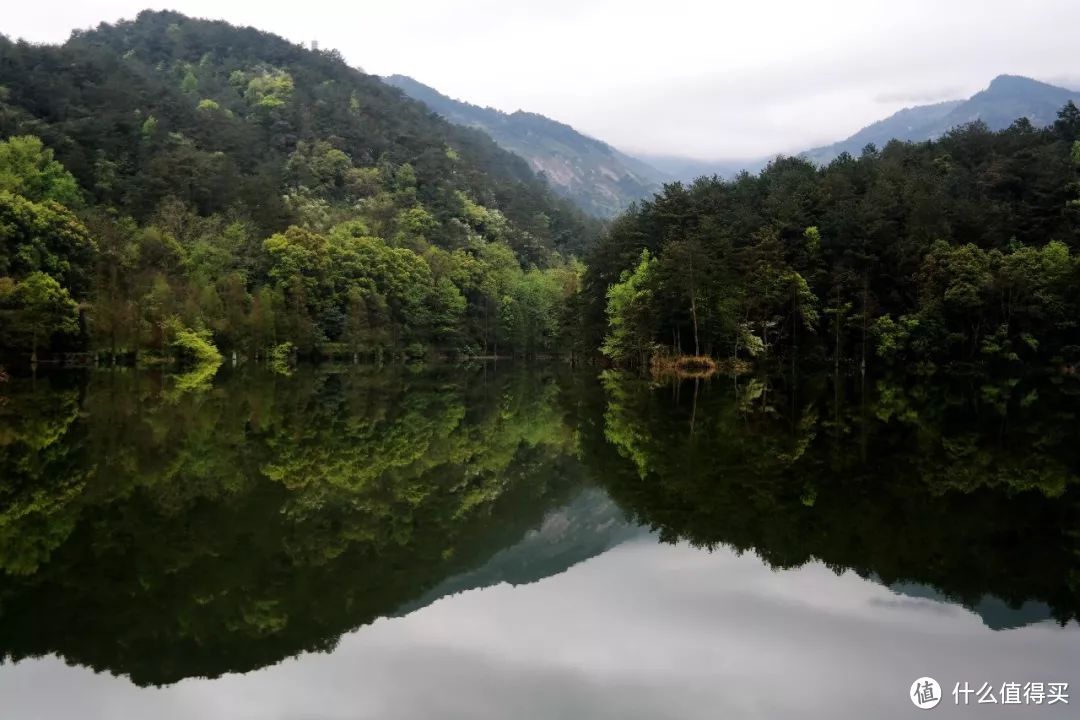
<point x="630" y="334"/>
<point x="28" y="168"/>
<point x="44" y="237"/>
<point x="36" y="308"/>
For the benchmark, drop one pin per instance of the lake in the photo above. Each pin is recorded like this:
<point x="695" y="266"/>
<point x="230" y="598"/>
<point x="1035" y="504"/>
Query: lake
<point x="512" y="541"/>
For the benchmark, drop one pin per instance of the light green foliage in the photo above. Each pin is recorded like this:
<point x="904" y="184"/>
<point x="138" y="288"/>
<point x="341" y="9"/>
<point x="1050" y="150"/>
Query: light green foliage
<point x="447" y="308"/>
<point x="269" y="89"/>
<point x="812" y="236"/>
<point x="214" y="195"/>
<point x="34" y="309"/>
<point x="38" y="508"/>
<point x="27" y="168"/>
<point x="149" y="127"/>
<point x="804" y="300"/>
<point x="414" y="224"/>
<point x="1024" y="289"/>
<point x="318" y="167"/>
<point x="488" y="222"/>
<point x="190" y="83"/>
<point x="892" y="336"/>
<point x="362" y="489"/>
<point x="629" y="337"/>
<point x="194" y="346"/>
<point x="281" y="358"/>
<point x="957" y="277"/>
<point x="43" y="237"/>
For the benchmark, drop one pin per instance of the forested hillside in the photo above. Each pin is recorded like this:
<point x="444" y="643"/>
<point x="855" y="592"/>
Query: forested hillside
<point x="168" y="185"/>
<point x="956" y="252"/>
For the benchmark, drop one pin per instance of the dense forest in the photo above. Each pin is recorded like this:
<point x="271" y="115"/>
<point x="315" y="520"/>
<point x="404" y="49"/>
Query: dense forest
<point x="171" y="186"/>
<point x="179" y="188"/>
<point x="954" y="252"/>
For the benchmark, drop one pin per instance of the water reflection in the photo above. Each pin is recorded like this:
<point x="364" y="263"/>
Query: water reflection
<point x="970" y="489"/>
<point x="162" y="532"/>
<point x="224" y="531"/>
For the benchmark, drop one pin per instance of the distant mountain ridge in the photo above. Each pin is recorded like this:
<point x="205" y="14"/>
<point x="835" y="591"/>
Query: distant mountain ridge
<point x="603" y="181"/>
<point x="1007" y="99"/>
<point x="597" y="177"/>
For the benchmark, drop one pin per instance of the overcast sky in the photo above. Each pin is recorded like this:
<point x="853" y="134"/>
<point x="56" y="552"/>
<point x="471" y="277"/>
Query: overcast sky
<point x="702" y="79"/>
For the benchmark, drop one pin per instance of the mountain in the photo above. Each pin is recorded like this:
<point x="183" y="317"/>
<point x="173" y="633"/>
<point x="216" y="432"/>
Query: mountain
<point x="1008" y="98"/>
<point x="597" y="177"/>
<point x="230" y="119"/>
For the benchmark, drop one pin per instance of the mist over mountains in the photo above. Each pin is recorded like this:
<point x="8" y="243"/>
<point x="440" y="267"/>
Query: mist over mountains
<point x="603" y="181"/>
<point x="1007" y="99"/>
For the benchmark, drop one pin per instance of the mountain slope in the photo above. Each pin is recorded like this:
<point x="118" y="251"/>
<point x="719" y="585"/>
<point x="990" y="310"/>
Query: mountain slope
<point x="597" y="177"/>
<point x="1008" y="98"/>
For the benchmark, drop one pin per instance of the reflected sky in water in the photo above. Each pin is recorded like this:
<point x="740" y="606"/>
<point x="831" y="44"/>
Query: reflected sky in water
<point x="645" y="630"/>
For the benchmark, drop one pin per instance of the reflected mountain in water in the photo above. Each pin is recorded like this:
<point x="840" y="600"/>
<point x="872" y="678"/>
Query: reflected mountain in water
<point x="996" y="614"/>
<point x="591" y="524"/>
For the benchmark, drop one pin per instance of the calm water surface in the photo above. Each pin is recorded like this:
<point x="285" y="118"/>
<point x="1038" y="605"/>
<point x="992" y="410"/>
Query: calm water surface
<point x="351" y="542"/>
